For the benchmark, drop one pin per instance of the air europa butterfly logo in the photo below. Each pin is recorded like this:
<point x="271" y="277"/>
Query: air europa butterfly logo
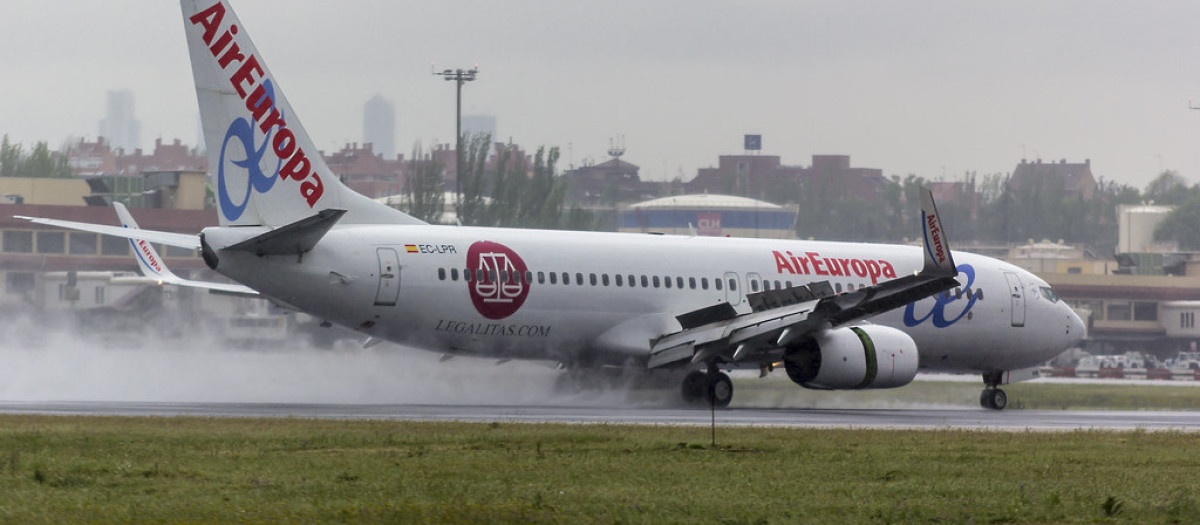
<point x="498" y="287"/>
<point x="947" y="308"/>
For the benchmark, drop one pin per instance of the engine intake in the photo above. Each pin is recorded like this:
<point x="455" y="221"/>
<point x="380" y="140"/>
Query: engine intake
<point x="853" y="358"/>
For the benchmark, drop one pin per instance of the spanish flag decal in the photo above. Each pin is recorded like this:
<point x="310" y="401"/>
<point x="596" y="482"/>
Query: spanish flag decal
<point x="410" y="248"/>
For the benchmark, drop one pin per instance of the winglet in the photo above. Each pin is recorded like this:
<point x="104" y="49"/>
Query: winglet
<point x="938" y="259"/>
<point x="147" y="257"/>
<point x="155" y="267"/>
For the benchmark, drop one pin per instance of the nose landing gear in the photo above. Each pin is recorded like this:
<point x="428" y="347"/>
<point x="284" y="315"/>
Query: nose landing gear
<point x="992" y="397"/>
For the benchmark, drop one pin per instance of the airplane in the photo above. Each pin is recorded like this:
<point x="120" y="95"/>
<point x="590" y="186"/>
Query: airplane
<point x="834" y="315"/>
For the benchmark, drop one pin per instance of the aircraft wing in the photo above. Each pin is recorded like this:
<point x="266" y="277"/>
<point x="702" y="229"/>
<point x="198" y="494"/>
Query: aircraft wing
<point x="181" y="240"/>
<point x="779" y="318"/>
<point x="149" y="262"/>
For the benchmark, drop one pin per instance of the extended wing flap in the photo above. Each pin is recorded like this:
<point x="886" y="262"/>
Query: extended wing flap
<point x="756" y="329"/>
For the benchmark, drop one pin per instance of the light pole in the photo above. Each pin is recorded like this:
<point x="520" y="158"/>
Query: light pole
<point x="459" y="77"/>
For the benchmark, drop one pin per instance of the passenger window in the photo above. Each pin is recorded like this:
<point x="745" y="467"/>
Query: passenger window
<point x="579" y="278"/>
<point x="618" y="278"/>
<point x="778" y="285"/>
<point x="553" y="278"/>
<point x="604" y="279"/>
<point x="679" y="282"/>
<point x="632" y="281"/>
<point x="732" y="285"/>
<point x="646" y="282"/>
<point x="667" y="282"/>
<point x="454" y="274"/>
<point x="467" y="274"/>
<point x="704" y="283"/>
<point x="753" y="286"/>
<point x="566" y="278"/>
<point x="479" y="274"/>
<point x="541" y="277"/>
<point x="717" y="282"/>
<point x="656" y="281"/>
<point x="528" y="276"/>
<point x="837" y="287"/>
<point x="441" y="274"/>
<point x="692" y="283"/>
<point x="592" y="279"/>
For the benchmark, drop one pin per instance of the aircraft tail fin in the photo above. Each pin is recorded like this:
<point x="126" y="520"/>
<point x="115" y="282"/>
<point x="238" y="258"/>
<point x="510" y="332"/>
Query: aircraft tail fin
<point x="938" y="259"/>
<point x="266" y="170"/>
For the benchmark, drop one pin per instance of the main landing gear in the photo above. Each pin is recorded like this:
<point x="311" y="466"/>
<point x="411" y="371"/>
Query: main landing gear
<point x="992" y="397"/>
<point x="711" y="387"/>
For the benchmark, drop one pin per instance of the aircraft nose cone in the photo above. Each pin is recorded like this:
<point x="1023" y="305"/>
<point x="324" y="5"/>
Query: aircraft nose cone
<point x="1076" y="330"/>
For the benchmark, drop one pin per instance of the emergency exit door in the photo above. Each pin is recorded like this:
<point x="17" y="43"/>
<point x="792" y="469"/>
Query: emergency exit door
<point x="389" y="277"/>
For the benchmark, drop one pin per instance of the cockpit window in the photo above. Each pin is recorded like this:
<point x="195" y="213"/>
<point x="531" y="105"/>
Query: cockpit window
<point x="1048" y="293"/>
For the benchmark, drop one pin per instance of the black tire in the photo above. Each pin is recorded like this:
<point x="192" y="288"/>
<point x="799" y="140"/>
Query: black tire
<point x="720" y="390"/>
<point x="999" y="399"/>
<point x="993" y="399"/>
<point x="985" y="399"/>
<point x="694" y="387"/>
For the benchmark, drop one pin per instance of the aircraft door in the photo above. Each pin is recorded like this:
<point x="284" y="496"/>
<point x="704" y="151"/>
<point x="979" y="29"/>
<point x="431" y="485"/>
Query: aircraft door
<point x="1017" y="291"/>
<point x="732" y="295"/>
<point x="389" y="277"/>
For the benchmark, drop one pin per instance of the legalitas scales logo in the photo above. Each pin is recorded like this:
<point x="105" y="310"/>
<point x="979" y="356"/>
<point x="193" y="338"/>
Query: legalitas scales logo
<point x="498" y="287"/>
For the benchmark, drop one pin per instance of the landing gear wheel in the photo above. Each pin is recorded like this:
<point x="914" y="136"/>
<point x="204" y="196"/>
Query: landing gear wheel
<point x="993" y="398"/>
<point x="707" y="387"/>
<point x="720" y="390"/>
<point x="694" y="386"/>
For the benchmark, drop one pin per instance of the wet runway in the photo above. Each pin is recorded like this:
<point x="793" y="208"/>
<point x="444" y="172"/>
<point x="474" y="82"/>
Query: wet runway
<point x="977" y="419"/>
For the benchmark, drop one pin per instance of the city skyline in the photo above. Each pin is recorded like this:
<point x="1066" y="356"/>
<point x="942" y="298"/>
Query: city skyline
<point x="933" y="88"/>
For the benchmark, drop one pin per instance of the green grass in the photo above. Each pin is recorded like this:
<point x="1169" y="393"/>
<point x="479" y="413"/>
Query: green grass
<point x="107" y="469"/>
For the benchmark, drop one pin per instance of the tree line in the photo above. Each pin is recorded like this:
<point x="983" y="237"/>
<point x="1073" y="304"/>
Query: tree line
<point x="995" y="212"/>
<point x="509" y="191"/>
<point x="40" y="162"/>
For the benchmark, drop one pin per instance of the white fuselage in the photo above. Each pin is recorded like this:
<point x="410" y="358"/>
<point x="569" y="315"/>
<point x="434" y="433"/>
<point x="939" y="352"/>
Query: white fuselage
<point x="409" y="284"/>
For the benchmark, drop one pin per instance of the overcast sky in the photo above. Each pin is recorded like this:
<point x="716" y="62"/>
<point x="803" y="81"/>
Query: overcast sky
<point x="927" y="87"/>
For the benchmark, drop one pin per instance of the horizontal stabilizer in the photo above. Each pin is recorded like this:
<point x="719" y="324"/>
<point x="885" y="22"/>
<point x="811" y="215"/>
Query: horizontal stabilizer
<point x="293" y="239"/>
<point x="179" y="240"/>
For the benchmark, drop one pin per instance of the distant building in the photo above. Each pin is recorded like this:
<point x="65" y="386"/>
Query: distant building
<point x="764" y="176"/>
<point x="90" y="159"/>
<point x="1076" y="178"/>
<point x="379" y="126"/>
<point x="604" y="185"/>
<point x="1135" y="229"/>
<point x="367" y="172"/>
<point x="710" y="215"/>
<point x="122" y="130"/>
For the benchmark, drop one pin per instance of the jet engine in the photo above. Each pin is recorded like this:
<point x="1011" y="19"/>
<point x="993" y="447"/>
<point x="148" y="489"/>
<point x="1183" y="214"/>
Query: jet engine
<point x="853" y="358"/>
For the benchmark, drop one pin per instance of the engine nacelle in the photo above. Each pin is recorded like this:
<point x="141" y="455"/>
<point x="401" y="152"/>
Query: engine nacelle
<point x="853" y="358"/>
